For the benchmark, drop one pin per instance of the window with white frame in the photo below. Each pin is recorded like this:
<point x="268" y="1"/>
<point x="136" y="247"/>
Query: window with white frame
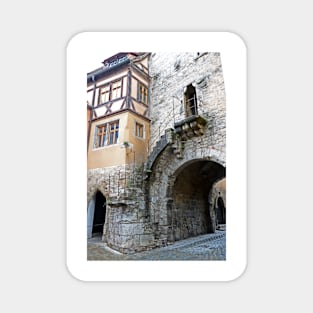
<point x="142" y="94"/>
<point x="113" y="132"/>
<point x="139" y="130"/>
<point x="106" y="134"/>
<point x="110" y="92"/>
<point x="104" y="94"/>
<point x="116" y="90"/>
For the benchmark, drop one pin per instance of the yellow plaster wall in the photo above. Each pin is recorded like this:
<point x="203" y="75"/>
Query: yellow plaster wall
<point x="109" y="155"/>
<point x="139" y="145"/>
<point x="117" y="154"/>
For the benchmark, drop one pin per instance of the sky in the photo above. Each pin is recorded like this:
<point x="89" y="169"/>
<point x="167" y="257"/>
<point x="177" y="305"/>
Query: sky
<point x="94" y="58"/>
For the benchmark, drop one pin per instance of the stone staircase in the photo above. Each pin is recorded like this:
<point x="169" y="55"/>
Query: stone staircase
<point x="158" y="148"/>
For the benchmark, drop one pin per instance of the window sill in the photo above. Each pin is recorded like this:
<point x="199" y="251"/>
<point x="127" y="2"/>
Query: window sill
<point x="140" y="138"/>
<point x="106" y="147"/>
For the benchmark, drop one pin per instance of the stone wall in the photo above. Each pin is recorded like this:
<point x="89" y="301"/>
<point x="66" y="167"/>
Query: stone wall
<point x="178" y="213"/>
<point x="127" y="225"/>
<point x="190" y="215"/>
<point x="171" y="73"/>
<point x="115" y="181"/>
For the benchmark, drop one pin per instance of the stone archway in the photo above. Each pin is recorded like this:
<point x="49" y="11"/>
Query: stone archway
<point x="190" y="212"/>
<point x="96" y="215"/>
<point x="195" y="172"/>
<point x="220" y="211"/>
<point x="218" y="200"/>
<point x="99" y="214"/>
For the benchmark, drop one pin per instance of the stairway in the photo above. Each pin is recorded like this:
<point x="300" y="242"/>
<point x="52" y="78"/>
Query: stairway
<point x="158" y="148"/>
<point x="169" y="138"/>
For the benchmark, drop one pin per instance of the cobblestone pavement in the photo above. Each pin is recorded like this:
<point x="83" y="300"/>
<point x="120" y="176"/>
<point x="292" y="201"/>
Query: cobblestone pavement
<point x="204" y="247"/>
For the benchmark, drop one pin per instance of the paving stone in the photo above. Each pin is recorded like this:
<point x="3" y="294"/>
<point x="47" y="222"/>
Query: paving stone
<point x="204" y="247"/>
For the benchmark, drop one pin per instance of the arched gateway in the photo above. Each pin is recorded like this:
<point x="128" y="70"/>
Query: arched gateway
<point x="182" y="203"/>
<point x="191" y="212"/>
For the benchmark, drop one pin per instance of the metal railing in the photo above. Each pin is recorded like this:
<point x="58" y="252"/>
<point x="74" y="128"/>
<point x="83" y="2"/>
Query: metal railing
<point x="191" y="108"/>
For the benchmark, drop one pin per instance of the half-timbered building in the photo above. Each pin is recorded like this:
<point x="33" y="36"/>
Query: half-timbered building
<point x="118" y="95"/>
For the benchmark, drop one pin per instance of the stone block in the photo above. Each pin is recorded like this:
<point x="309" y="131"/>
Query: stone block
<point x="131" y="229"/>
<point x="128" y="217"/>
<point x="147" y="240"/>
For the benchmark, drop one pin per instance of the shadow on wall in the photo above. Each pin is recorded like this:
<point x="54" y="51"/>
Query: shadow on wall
<point x="192" y="211"/>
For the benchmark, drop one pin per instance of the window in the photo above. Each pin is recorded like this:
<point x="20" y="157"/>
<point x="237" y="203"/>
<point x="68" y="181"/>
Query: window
<point x="143" y="94"/>
<point x="110" y="92"/>
<point x="100" y="136"/>
<point x="113" y="131"/>
<point x="104" y="94"/>
<point x="106" y="134"/>
<point x="116" y="90"/>
<point x="139" y="130"/>
<point x="190" y="101"/>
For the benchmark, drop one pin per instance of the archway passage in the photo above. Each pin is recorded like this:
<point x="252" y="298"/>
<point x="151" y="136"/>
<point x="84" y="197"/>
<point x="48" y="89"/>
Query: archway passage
<point x="99" y="215"/>
<point x="219" y="200"/>
<point x="192" y="212"/>
<point x="221" y="211"/>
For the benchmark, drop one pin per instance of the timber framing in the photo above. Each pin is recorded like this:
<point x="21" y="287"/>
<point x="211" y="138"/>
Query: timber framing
<point x="140" y="72"/>
<point x="120" y="112"/>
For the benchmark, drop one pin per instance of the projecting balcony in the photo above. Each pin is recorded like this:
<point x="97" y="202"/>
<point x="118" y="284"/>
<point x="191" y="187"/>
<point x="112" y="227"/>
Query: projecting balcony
<point x="190" y="127"/>
<point x="187" y="128"/>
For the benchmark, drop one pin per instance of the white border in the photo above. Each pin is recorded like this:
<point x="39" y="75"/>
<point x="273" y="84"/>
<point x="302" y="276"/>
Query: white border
<point x="80" y="50"/>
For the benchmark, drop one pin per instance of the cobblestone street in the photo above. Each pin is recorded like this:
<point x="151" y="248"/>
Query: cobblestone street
<point x="204" y="247"/>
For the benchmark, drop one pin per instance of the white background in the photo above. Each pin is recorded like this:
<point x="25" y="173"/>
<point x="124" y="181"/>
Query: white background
<point x="34" y="36"/>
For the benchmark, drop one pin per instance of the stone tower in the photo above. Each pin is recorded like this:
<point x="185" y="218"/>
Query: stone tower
<point x="188" y="139"/>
